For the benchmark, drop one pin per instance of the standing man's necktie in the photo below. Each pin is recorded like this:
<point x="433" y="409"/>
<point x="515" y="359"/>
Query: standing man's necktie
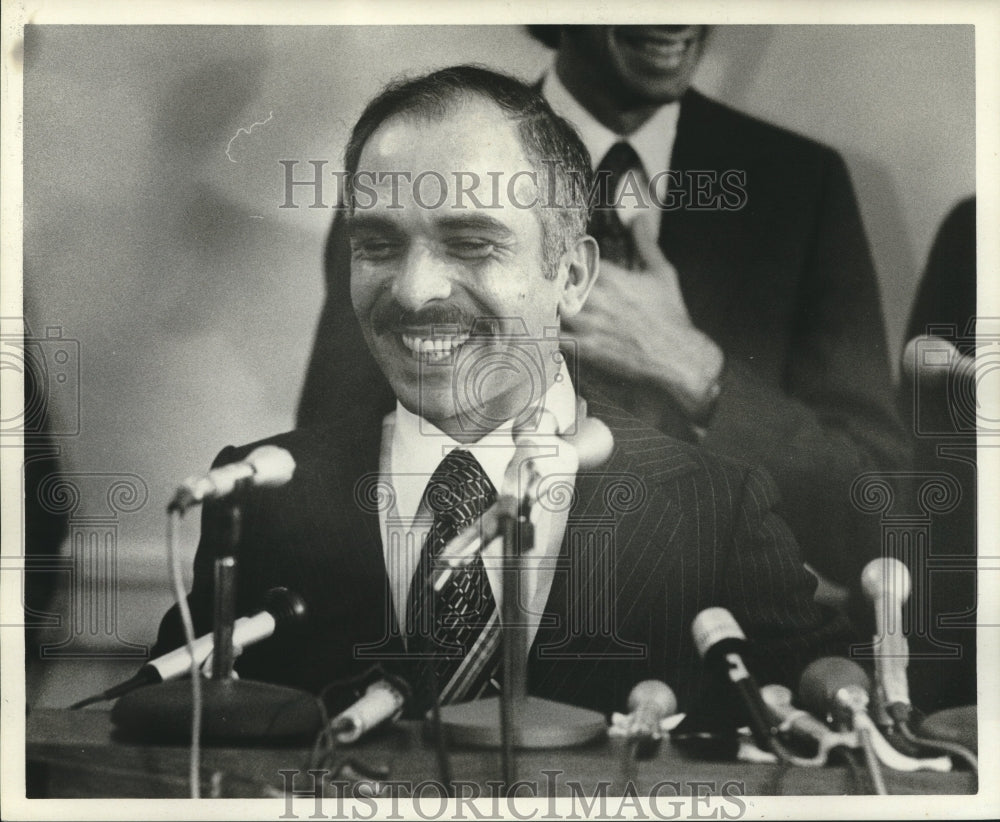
<point x="613" y="236"/>
<point x="453" y="634"/>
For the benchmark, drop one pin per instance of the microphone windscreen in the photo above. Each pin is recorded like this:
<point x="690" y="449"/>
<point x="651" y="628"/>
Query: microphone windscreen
<point x="655" y="695"/>
<point x="713" y="625"/>
<point x="594" y="443"/>
<point x="287" y="607"/>
<point x="822" y="679"/>
<point x="886" y="577"/>
<point x="273" y="466"/>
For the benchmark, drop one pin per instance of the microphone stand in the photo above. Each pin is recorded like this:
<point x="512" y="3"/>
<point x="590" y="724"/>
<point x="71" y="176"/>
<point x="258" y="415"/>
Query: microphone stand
<point x="525" y="721"/>
<point x="233" y="710"/>
<point x="518" y="536"/>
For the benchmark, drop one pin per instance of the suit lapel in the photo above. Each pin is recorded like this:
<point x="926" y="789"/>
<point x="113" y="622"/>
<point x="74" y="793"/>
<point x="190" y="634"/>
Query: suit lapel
<point x="621" y="537"/>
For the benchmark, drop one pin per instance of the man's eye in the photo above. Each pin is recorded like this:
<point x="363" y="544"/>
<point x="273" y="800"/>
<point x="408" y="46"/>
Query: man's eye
<point x="375" y="249"/>
<point x="471" y="249"/>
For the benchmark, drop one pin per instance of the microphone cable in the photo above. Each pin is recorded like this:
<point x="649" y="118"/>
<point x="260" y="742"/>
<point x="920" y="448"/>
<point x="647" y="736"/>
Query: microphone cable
<point x="859" y="777"/>
<point x="900" y="715"/>
<point x="872" y="764"/>
<point x="437" y="733"/>
<point x="177" y="580"/>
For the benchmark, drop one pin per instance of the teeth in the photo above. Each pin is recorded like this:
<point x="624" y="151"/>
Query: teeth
<point x="669" y="51"/>
<point x="433" y="348"/>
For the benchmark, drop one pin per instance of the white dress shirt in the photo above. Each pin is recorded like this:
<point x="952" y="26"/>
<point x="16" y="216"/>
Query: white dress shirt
<point x="412" y="449"/>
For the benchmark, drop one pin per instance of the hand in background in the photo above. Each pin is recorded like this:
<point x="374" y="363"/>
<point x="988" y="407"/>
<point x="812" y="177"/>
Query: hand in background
<point x="635" y="323"/>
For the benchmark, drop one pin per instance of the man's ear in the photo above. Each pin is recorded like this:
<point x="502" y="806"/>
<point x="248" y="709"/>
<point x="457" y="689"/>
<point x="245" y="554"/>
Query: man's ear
<point x="580" y="263"/>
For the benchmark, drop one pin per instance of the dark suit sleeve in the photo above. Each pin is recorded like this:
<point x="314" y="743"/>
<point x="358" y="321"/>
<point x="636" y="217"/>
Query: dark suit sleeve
<point x="171" y="632"/>
<point x="771" y="594"/>
<point x="832" y="417"/>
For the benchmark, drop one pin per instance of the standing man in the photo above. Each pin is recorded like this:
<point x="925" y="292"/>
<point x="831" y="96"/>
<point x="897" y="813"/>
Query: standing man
<point x="460" y="305"/>
<point x="742" y="314"/>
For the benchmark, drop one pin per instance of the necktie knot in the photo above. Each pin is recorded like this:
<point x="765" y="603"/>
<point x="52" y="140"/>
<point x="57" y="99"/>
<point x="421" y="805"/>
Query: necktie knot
<point x="614" y="239"/>
<point x="619" y="161"/>
<point x="459" y="490"/>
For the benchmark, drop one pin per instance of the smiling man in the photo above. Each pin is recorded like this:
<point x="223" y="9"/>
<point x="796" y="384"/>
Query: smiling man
<point x="746" y="319"/>
<point x="460" y="295"/>
<point x="422" y="276"/>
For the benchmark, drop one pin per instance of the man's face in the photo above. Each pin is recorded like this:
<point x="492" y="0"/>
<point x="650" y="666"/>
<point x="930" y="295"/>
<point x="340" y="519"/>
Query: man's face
<point x="426" y="274"/>
<point x="644" y="64"/>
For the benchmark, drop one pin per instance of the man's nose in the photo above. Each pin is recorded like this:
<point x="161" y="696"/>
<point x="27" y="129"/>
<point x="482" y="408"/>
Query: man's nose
<point x="422" y="278"/>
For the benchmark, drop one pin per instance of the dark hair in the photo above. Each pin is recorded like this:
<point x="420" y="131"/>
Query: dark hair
<point x="551" y="145"/>
<point x="548" y="36"/>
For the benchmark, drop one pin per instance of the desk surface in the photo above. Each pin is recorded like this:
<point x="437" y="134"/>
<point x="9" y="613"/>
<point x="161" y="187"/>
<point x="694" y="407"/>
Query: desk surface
<point x="73" y="754"/>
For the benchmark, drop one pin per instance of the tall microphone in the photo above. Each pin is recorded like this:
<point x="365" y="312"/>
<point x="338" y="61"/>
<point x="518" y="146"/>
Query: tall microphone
<point x="383" y="701"/>
<point x="265" y="467"/>
<point x="886" y="584"/>
<point x="721" y="643"/>
<point x="282" y="610"/>
<point x="650" y="702"/>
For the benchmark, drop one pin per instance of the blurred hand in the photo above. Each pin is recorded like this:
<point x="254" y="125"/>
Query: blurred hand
<point x="635" y="323"/>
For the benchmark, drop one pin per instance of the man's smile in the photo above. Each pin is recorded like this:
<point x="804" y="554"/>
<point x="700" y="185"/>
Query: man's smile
<point x="661" y="50"/>
<point x="430" y="347"/>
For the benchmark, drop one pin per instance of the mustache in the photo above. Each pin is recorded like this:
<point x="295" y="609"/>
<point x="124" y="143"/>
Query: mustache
<point x="391" y="316"/>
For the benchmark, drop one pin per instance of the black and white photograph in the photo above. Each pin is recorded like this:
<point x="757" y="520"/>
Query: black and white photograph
<point x="449" y="410"/>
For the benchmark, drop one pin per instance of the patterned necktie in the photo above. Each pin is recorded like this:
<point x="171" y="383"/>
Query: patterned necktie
<point x="606" y="225"/>
<point x="453" y="634"/>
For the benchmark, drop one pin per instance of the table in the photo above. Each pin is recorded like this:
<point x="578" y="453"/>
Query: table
<point x="73" y="754"/>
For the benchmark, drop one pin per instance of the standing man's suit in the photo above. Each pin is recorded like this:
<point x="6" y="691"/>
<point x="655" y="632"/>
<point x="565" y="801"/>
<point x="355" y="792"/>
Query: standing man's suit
<point x="660" y="532"/>
<point x="785" y="285"/>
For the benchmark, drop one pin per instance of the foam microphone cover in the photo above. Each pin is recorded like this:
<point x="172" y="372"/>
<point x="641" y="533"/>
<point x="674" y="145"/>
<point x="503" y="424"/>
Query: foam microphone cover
<point x="958" y="725"/>
<point x="822" y="679"/>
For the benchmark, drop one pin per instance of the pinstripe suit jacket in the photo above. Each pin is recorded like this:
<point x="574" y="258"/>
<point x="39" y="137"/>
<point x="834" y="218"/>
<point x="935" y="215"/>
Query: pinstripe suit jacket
<point x="661" y="532"/>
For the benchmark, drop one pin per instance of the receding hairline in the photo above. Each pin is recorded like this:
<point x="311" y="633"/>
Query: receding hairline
<point x="453" y="106"/>
<point x="428" y="111"/>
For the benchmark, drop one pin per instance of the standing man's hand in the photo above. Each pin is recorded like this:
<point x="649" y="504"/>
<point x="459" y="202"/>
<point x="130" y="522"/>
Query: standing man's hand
<point x="635" y="324"/>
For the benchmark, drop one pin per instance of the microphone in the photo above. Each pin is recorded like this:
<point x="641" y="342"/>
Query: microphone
<point x="949" y="360"/>
<point x="589" y="447"/>
<point x="593" y="442"/>
<point x="383" y="701"/>
<point x="282" y="610"/>
<point x="886" y="584"/>
<point x="721" y="643"/>
<point x="649" y="702"/>
<point x="265" y="467"/>
<point x="802" y="724"/>
<point x="836" y="687"/>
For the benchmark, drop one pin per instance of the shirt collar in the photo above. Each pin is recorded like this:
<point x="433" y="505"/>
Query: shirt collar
<point x="418" y="446"/>
<point x="653" y="141"/>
